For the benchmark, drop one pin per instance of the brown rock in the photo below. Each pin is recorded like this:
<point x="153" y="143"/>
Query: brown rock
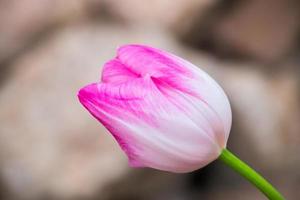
<point x="264" y="30"/>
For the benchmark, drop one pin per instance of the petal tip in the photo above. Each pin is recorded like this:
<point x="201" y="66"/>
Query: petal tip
<point x="85" y="92"/>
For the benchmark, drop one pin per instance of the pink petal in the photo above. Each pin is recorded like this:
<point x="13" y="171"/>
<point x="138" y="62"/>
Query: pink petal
<point x="164" y="112"/>
<point x="149" y="128"/>
<point x="210" y="91"/>
<point x="116" y="72"/>
<point x="142" y="60"/>
<point x="178" y="74"/>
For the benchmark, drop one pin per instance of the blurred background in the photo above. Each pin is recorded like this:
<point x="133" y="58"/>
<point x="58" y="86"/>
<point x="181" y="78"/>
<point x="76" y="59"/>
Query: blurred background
<point x="51" y="148"/>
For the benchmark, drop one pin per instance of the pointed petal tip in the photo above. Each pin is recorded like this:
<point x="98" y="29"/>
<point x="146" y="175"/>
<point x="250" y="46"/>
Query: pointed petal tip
<point x="85" y="92"/>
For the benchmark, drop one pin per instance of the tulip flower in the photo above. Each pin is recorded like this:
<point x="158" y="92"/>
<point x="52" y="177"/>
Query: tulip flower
<point x="165" y="113"/>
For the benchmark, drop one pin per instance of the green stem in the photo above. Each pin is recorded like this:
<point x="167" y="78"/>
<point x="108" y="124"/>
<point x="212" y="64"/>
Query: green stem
<point x="243" y="169"/>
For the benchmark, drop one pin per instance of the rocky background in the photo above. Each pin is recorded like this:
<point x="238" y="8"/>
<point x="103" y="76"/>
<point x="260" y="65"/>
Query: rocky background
<point x="51" y="148"/>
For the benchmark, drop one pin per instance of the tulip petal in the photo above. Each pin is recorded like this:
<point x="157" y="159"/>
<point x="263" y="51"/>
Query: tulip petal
<point x="115" y="72"/>
<point x="210" y="91"/>
<point x="180" y="75"/>
<point x="164" y="112"/>
<point x="150" y="129"/>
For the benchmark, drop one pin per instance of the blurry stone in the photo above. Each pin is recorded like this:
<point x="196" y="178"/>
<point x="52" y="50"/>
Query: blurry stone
<point x="163" y="13"/>
<point x="147" y="184"/>
<point x="22" y="21"/>
<point x="266" y="115"/>
<point x="50" y="146"/>
<point x="266" y="31"/>
<point x="25" y="23"/>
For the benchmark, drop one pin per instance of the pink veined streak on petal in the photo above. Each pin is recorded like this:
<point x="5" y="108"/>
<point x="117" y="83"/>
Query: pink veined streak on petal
<point x="210" y="91"/>
<point x="113" y="107"/>
<point x="166" y="69"/>
<point x="134" y="61"/>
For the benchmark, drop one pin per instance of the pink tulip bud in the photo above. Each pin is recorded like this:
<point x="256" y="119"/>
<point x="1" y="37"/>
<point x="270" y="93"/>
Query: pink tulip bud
<point x="164" y="112"/>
